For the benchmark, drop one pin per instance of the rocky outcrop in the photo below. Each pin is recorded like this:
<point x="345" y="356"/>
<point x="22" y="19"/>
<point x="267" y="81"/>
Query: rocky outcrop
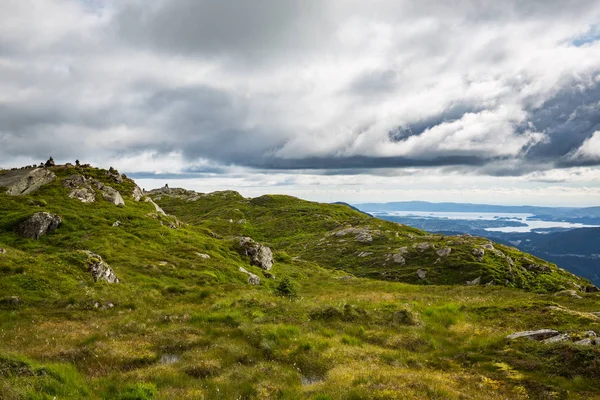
<point x="260" y="255"/>
<point x="156" y="207"/>
<point x="100" y="270"/>
<point x="540" y="334"/>
<point x="137" y="193"/>
<point x="423" y="246"/>
<point x="253" y="279"/>
<point x="82" y="190"/>
<point x="399" y="259"/>
<point x="37" y="225"/>
<point x="363" y="235"/>
<point x="444" y="252"/>
<point x="114" y="175"/>
<point x="474" y="282"/>
<point x="24" y="181"/>
<point x="568" y="293"/>
<point x="479" y="253"/>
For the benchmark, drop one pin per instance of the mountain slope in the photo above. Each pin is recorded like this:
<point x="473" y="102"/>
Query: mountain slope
<point x="184" y="322"/>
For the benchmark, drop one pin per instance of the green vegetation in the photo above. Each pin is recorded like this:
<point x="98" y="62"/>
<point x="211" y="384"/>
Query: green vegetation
<point x="328" y="323"/>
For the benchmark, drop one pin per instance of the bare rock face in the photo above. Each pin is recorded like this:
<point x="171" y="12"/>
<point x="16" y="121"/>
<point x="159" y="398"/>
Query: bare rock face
<point x="24" y="181"/>
<point x="253" y="279"/>
<point x="37" y="225"/>
<point x="137" y="193"/>
<point x="100" y="270"/>
<point x="260" y="255"/>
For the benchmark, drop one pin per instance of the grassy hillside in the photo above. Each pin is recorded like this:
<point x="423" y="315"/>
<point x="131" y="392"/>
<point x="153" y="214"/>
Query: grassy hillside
<point x="180" y="325"/>
<point x="330" y="235"/>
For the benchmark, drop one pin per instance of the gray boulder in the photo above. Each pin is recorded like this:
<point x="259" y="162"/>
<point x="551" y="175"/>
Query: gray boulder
<point x="82" y="190"/>
<point x="399" y="259"/>
<point x="422" y="246"/>
<point x="24" y="181"/>
<point x="488" y="246"/>
<point x="563" y="337"/>
<point x="444" y="252"/>
<point x="422" y="273"/>
<point x="37" y="225"/>
<point x="253" y="279"/>
<point x="260" y="255"/>
<point x="474" y="282"/>
<point x="100" y="270"/>
<point x="112" y="195"/>
<point x="479" y="253"/>
<point x="540" y="334"/>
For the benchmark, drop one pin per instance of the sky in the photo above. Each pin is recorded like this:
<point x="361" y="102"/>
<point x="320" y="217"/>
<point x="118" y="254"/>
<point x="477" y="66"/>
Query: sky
<point x="329" y="100"/>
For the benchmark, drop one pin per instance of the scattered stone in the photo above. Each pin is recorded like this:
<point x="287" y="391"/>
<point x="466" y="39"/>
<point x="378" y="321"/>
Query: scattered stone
<point x="260" y="255"/>
<point x="158" y="209"/>
<point x="563" y="337"/>
<point x="399" y="259"/>
<point x="403" y="250"/>
<point x="240" y="221"/>
<point x="100" y="270"/>
<point x="588" y="342"/>
<point x="568" y="292"/>
<point x="202" y="255"/>
<point x="137" y="193"/>
<point x="590" y="334"/>
<point x="364" y="254"/>
<point x="117" y="223"/>
<point x="540" y="334"/>
<point x="252" y="278"/>
<point x="364" y="237"/>
<point x="37" y="225"/>
<point x="422" y="273"/>
<point x="488" y="246"/>
<point x="21" y="182"/>
<point x="172" y="225"/>
<point x="114" y="174"/>
<point x="444" y="252"/>
<point x="474" y="281"/>
<point x="422" y="246"/>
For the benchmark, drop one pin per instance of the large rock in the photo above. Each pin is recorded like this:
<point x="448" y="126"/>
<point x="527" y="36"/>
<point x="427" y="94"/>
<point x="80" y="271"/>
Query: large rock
<point x="399" y="259"/>
<point x="82" y="190"/>
<point x="540" y="334"/>
<point x="37" y="225"/>
<point x="100" y="270"/>
<point x="24" y="181"/>
<point x="260" y="255"/>
<point x="113" y="196"/>
<point x="479" y="253"/>
<point x="137" y="193"/>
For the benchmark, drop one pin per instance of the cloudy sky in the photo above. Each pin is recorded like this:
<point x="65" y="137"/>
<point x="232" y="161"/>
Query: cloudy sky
<point x="379" y="100"/>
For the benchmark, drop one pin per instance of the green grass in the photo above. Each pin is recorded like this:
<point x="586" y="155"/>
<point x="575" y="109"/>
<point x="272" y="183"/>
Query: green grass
<point x="330" y="325"/>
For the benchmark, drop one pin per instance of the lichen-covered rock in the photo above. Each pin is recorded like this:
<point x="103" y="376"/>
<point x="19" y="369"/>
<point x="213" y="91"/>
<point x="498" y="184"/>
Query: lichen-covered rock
<point x="444" y="252"/>
<point x="260" y="255"/>
<point x="37" y="225"/>
<point x="540" y="334"/>
<point x="100" y="270"/>
<point x="253" y="279"/>
<point x="24" y="181"/>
